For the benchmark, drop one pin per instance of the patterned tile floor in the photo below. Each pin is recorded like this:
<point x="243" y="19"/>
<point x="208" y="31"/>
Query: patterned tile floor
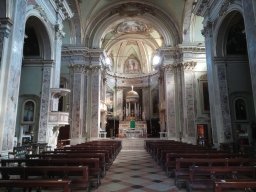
<point x="136" y="171"/>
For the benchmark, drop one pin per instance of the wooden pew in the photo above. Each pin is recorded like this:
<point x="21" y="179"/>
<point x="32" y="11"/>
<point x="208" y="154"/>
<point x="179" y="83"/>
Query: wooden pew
<point x="78" y="175"/>
<point x="202" y="178"/>
<point x="233" y="184"/>
<point x="92" y="163"/>
<point x="109" y="153"/>
<point x="35" y="184"/>
<point x="183" y="165"/>
<point x="170" y="162"/>
<point x="77" y="154"/>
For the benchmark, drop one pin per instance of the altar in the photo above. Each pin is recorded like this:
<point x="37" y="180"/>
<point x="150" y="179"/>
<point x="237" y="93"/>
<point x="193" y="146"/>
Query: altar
<point x="140" y="130"/>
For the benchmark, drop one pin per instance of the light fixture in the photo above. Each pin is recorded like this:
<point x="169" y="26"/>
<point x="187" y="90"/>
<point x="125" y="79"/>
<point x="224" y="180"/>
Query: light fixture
<point x="156" y="59"/>
<point x="108" y="61"/>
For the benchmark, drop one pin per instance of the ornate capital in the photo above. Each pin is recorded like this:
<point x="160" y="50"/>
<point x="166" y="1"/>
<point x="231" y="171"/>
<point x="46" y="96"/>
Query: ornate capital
<point x="76" y="68"/>
<point x="207" y="31"/>
<point x="189" y="66"/>
<point x="59" y="32"/>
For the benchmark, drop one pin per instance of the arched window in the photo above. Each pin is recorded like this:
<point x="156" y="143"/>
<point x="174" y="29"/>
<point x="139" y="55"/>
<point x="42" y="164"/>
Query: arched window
<point x="28" y="112"/>
<point x="240" y="109"/>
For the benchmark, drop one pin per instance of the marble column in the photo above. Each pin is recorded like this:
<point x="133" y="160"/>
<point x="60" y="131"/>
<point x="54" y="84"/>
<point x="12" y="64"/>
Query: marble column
<point x="220" y="117"/>
<point x="42" y="133"/>
<point x="119" y="106"/>
<point x="249" y="11"/>
<point x="224" y="133"/>
<point x="189" y="131"/>
<point x="95" y="101"/>
<point x="170" y="101"/>
<point x="77" y="103"/>
<point x="58" y="43"/>
<point x="145" y="105"/>
<point x="11" y="59"/>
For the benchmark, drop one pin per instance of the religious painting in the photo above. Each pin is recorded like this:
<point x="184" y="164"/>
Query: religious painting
<point x="132" y="27"/>
<point x="28" y="112"/>
<point x="132" y="66"/>
<point x="204" y="94"/>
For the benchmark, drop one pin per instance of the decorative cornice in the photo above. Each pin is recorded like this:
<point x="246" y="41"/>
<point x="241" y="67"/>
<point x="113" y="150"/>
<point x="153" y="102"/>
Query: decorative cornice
<point x="189" y="66"/>
<point x="136" y="76"/>
<point x="201" y="7"/>
<point x="62" y="7"/>
<point x="173" y="55"/>
<point x="5" y="28"/>
<point x="224" y="7"/>
<point x="37" y="62"/>
<point x="196" y="48"/>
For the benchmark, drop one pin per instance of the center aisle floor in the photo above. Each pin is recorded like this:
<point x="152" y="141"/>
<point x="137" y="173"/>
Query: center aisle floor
<point x="136" y="171"/>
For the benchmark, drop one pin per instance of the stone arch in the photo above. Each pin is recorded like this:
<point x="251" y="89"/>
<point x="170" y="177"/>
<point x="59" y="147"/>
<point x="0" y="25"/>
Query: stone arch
<point x="43" y="34"/>
<point x="166" y="25"/>
<point x="222" y="28"/>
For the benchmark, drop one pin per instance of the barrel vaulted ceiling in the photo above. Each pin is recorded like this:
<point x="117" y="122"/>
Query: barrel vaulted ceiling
<point x="130" y="31"/>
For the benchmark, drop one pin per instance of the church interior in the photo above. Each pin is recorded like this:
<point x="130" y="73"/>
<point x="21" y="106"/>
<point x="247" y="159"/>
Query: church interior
<point x="101" y="83"/>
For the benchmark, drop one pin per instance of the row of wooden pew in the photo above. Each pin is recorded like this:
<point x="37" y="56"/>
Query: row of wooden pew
<point x="75" y="167"/>
<point x="200" y="168"/>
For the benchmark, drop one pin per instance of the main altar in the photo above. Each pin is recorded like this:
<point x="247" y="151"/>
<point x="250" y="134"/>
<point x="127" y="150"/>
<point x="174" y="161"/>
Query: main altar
<point x="132" y="126"/>
<point x="140" y="130"/>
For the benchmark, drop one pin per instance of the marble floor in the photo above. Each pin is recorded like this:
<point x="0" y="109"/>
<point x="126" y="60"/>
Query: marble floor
<point x="134" y="170"/>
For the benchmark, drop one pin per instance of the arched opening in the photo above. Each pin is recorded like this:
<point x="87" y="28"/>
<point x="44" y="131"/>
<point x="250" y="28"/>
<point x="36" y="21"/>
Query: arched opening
<point x="36" y="48"/>
<point x="232" y="47"/>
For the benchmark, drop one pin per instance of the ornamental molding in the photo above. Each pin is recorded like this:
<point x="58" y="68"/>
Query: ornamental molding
<point x="173" y="55"/>
<point x="189" y="66"/>
<point x="5" y="28"/>
<point x="132" y="76"/>
<point x="224" y="7"/>
<point x="207" y="30"/>
<point x="195" y="48"/>
<point x="62" y="7"/>
<point x="201" y="7"/>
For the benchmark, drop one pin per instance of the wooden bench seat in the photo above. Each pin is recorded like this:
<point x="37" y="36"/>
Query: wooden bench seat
<point x="35" y="184"/>
<point x="183" y="164"/>
<point x="109" y="154"/>
<point x="92" y="163"/>
<point x="60" y="155"/>
<point x="170" y="162"/>
<point x="234" y="184"/>
<point x="108" y="157"/>
<point x="202" y="178"/>
<point x="78" y="175"/>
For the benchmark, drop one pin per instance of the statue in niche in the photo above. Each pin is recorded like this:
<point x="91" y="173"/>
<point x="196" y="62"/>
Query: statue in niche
<point x="28" y="111"/>
<point x="132" y="66"/>
<point x="240" y="108"/>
